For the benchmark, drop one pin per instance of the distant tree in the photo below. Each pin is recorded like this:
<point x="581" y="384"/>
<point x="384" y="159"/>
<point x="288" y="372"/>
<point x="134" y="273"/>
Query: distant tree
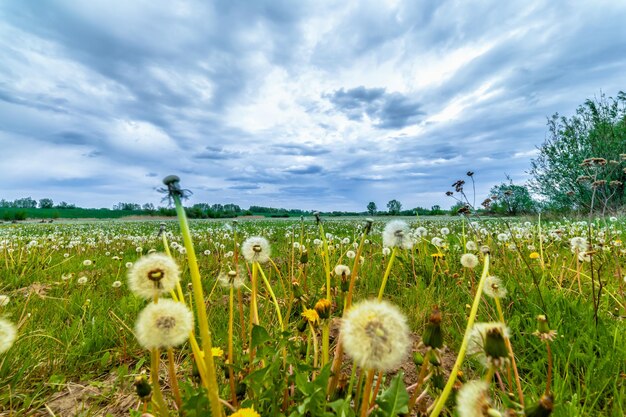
<point x="511" y="199"/>
<point x="64" y="205"/>
<point x="436" y="210"/>
<point x="46" y="203"/>
<point x="25" y="203"/>
<point x="149" y="207"/>
<point x="394" y="207"/>
<point x="371" y="208"/>
<point x="597" y="130"/>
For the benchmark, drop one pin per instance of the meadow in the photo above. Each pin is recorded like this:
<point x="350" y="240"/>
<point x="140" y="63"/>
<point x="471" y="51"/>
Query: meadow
<point x="557" y="303"/>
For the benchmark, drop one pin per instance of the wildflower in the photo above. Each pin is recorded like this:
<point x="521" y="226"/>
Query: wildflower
<point x="542" y="408"/>
<point x="470" y="245"/>
<point x="345" y="241"/>
<point x="4" y="300"/>
<point x="493" y="287"/>
<point x="486" y="341"/>
<point x="143" y="388"/>
<point x="437" y="255"/>
<point x="473" y="400"/>
<point x="246" y="412"/>
<point x="386" y="251"/>
<point x="396" y="233"/>
<point x="432" y="336"/>
<point x="375" y="335"/>
<point x="421" y="231"/>
<point x="584" y="256"/>
<point x="87" y="262"/>
<point x="217" y="352"/>
<point x="129" y="264"/>
<point x="8" y="334"/>
<point x="256" y="249"/>
<point x="534" y="255"/>
<point x="437" y="241"/>
<point x="350" y="254"/>
<point x="116" y="284"/>
<point x="232" y="277"/>
<point x="82" y="280"/>
<point x="139" y="249"/>
<point x="503" y="237"/>
<point x="311" y="316"/>
<point x="164" y="324"/>
<point x="469" y="260"/>
<point x="152" y="275"/>
<point x="322" y="307"/>
<point x="579" y="244"/>
<point x="207" y="252"/>
<point x="445" y="231"/>
<point x="543" y="331"/>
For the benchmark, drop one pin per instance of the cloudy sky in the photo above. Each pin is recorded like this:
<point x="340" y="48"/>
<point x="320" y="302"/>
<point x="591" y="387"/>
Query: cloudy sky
<point x="310" y="104"/>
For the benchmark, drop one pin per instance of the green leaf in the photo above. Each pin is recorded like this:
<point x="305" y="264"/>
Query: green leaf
<point x="259" y="336"/>
<point x="394" y="400"/>
<point x="342" y="408"/>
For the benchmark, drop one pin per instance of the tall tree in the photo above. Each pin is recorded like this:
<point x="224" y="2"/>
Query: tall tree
<point x="597" y="130"/>
<point x="371" y="208"/>
<point x="512" y="199"/>
<point x="394" y="207"/>
<point x="46" y="203"/>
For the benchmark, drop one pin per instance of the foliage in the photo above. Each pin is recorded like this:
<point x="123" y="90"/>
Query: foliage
<point x="371" y="208"/>
<point x="511" y="199"/>
<point x="597" y="130"/>
<point x="394" y="207"/>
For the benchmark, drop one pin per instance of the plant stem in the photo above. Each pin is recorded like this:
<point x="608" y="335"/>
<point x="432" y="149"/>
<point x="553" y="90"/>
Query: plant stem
<point x="156" y="388"/>
<point x="441" y="401"/>
<point x="173" y="381"/>
<point x="203" y="323"/>
<point x="387" y="272"/>
<point x="274" y="300"/>
<point x="231" y="355"/>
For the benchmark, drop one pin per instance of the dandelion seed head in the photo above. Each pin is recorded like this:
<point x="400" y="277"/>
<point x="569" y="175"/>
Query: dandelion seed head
<point x="375" y="335"/>
<point x="341" y="270"/>
<point x="116" y="284"/>
<point x="350" y="254"/>
<point x="256" y="249"/>
<point x="469" y="260"/>
<point x="164" y="324"/>
<point x="493" y="287"/>
<point x="82" y="280"/>
<point x="470" y="245"/>
<point x="153" y="275"/>
<point x="397" y="234"/>
<point x="472" y="399"/>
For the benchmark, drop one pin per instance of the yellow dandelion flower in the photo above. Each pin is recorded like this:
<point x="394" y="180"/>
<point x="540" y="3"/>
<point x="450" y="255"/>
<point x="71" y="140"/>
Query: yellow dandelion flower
<point x="217" y="352"/>
<point x="246" y="412"/>
<point x="534" y="255"/>
<point x="311" y="315"/>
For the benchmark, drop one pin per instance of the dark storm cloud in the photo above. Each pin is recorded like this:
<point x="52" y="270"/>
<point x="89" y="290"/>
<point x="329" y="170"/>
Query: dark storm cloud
<point x="388" y="110"/>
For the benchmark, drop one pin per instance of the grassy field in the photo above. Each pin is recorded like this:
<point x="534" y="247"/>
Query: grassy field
<point x="76" y="352"/>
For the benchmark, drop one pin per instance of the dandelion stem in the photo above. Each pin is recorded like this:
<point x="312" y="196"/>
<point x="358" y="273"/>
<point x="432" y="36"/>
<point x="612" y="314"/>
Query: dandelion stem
<point x="441" y="401"/>
<point x="156" y="388"/>
<point x="171" y="368"/>
<point x="231" y="355"/>
<point x="387" y="272"/>
<point x="365" y="402"/>
<point x="274" y="300"/>
<point x="325" y="341"/>
<point x="205" y="334"/>
<point x="520" y="392"/>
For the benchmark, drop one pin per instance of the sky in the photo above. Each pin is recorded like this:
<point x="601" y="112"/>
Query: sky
<point x="322" y="105"/>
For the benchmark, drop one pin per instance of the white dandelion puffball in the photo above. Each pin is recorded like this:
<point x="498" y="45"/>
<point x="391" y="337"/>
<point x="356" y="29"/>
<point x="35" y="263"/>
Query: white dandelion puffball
<point x="472" y="399"/>
<point x="164" y="324"/>
<point x="153" y="275"/>
<point x="342" y="270"/>
<point x="386" y="251"/>
<point x="350" y="254"/>
<point x="375" y="335"/>
<point x="256" y="249"/>
<point x="579" y="244"/>
<point x="397" y="233"/>
<point x="234" y="278"/>
<point x="493" y="287"/>
<point x="469" y="260"/>
<point x="8" y="334"/>
<point x="471" y="245"/>
<point x="82" y="281"/>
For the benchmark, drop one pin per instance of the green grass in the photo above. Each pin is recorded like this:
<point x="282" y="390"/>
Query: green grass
<point x="84" y="334"/>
